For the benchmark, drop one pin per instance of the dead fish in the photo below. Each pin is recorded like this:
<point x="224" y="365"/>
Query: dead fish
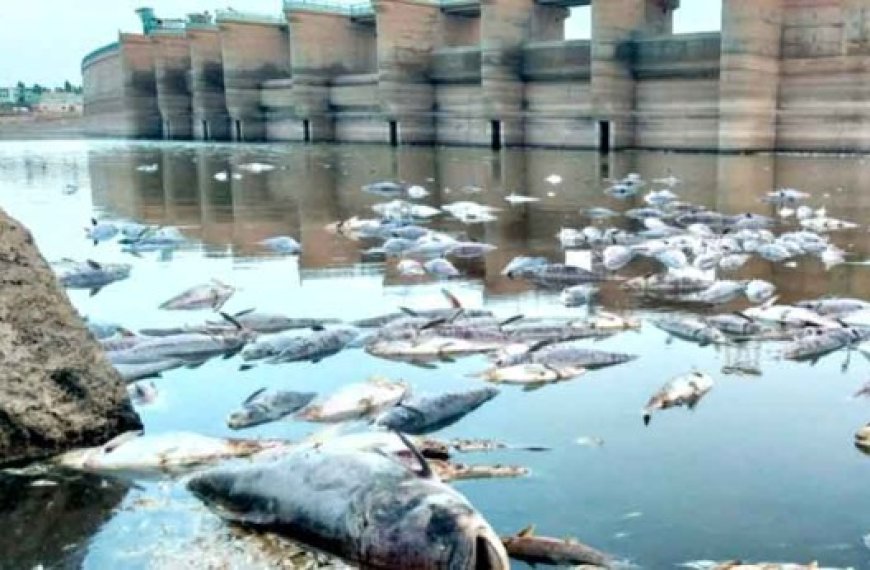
<point x="440" y="267"/>
<point x="135" y="455"/>
<point x="560" y="354"/>
<point x="425" y="414"/>
<point x="266" y="323"/>
<point x="785" y="196"/>
<point x="315" y="347"/>
<point x="817" y="343"/>
<point x="691" y="329"/>
<point x="363" y="506"/>
<point x="211" y="295"/>
<point x="518" y="265"/>
<point x="130" y="372"/>
<point x="90" y="274"/>
<point x="835" y="307"/>
<point x="532" y="374"/>
<point x="432" y="347"/>
<point x="385" y="188"/>
<point x="733" y="261"/>
<point x="787" y="315"/>
<point x="478" y="445"/>
<point x="735" y="324"/>
<point x="668" y="284"/>
<point x="469" y="249"/>
<point x="759" y="291"/>
<point x="527" y="547"/>
<point x="142" y="393"/>
<point x="616" y="257"/>
<point x="282" y="244"/>
<point x="718" y="293"/>
<point x="578" y="295"/>
<point x="686" y="390"/>
<point x="410" y="268"/>
<point x="263" y="407"/>
<point x="559" y="275"/>
<point x="450" y="471"/>
<point x="189" y="347"/>
<point x="357" y="401"/>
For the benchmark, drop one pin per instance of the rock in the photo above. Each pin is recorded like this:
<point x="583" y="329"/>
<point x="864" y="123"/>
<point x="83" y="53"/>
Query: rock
<point x="58" y="391"/>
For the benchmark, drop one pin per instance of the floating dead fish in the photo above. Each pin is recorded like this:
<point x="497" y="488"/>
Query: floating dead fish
<point x="817" y="343"/>
<point x="440" y="267"/>
<point x="469" y="249"/>
<point x="190" y="347"/>
<point x="558" y="275"/>
<point x="426" y="414"/>
<point x="316" y="346"/>
<point x="599" y="213"/>
<point x="686" y="390"/>
<point x="787" y="315"/>
<point x="718" y="293"/>
<point x="835" y="307"/>
<point x="100" y="231"/>
<point x="282" y="244"/>
<point x="578" y="295"/>
<point x="691" y="329"/>
<point x="410" y="268"/>
<point x="357" y="401"/>
<point x="759" y="291"/>
<point x="432" y="347"/>
<point x="385" y="188"/>
<point x="265" y="323"/>
<point x="532" y="373"/>
<point x="561" y="354"/>
<point x="263" y="407"/>
<point x="478" y="445"/>
<point x="513" y="198"/>
<point x="211" y="295"/>
<point x="785" y="196"/>
<point x="449" y="471"/>
<point x="363" y="506"/>
<point x="733" y="262"/>
<point x="527" y="547"/>
<point x="90" y="274"/>
<point x="518" y="265"/>
<point x="616" y="257"/>
<point x="135" y="455"/>
<point x="668" y="284"/>
<point x="736" y="324"/>
<point x="417" y="192"/>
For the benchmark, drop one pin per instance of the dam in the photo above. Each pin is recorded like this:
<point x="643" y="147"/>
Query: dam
<point x="786" y="75"/>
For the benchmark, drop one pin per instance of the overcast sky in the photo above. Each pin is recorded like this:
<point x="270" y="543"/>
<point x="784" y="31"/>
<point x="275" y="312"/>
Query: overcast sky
<point x="43" y="41"/>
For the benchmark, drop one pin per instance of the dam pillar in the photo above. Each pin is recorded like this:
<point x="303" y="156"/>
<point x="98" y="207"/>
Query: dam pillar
<point x="171" y="66"/>
<point x="505" y="25"/>
<point x="210" y="118"/>
<point x="323" y="45"/>
<point x="407" y="35"/>
<point x="749" y="76"/>
<point x="615" y="23"/>
<point x="139" y="88"/>
<point x="254" y="49"/>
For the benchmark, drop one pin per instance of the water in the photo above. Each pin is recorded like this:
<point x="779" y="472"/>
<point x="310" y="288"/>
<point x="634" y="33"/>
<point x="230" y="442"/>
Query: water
<point x="763" y="469"/>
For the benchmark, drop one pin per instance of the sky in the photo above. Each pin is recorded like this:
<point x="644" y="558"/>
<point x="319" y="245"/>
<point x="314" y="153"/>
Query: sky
<point x="43" y="41"/>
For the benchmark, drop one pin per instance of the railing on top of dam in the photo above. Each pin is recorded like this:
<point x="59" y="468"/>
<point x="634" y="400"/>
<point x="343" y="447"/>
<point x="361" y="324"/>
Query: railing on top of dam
<point x="233" y="16"/>
<point x="89" y="58"/>
<point x="353" y="10"/>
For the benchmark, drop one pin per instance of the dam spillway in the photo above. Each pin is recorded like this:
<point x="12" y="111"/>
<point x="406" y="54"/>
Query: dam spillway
<point x="781" y="75"/>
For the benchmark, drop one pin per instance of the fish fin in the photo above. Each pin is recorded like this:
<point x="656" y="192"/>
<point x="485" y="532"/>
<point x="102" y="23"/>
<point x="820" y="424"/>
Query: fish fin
<point x="646" y="418"/>
<point x="422" y="364"/>
<point x="245" y="312"/>
<point x="244" y="367"/>
<point x="253" y="395"/>
<point x="540" y="344"/>
<point x="96" y="290"/>
<point x="93" y="264"/>
<point x="433" y="323"/>
<point x="93" y="221"/>
<point x="232" y="320"/>
<point x="96" y="242"/>
<point x="454" y="302"/>
<point x="318" y="328"/>
<point x="744" y="316"/>
<point x="527" y="532"/>
<point x="409" y="312"/>
<point x="425" y="469"/>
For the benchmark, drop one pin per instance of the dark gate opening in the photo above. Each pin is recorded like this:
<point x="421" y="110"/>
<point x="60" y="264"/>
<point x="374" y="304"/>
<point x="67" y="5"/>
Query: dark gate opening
<point x="306" y="130"/>
<point x="604" y="136"/>
<point x="205" y="136"/>
<point x="238" y="128"/>
<point x="495" y="133"/>
<point x="394" y="133"/>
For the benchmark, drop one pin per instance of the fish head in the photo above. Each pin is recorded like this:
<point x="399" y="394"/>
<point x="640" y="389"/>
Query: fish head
<point x="248" y="416"/>
<point x="422" y="523"/>
<point x="224" y="491"/>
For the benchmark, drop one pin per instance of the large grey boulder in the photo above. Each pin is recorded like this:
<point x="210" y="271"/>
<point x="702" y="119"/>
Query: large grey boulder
<point x="57" y="390"/>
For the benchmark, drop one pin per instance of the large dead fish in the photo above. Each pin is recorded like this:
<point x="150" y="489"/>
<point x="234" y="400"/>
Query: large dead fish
<point x="90" y="274"/>
<point x="691" y="329"/>
<point x="558" y="354"/>
<point x="357" y="401"/>
<point x="188" y="347"/>
<point x="210" y="295"/>
<point x="532" y="374"/>
<point x="426" y="414"/>
<point x="263" y="407"/>
<point x="527" y="547"/>
<point x="816" y="343"/>
<point x="686" y="390"/>
<point x="363" y="506"/>
<point x="135" y="455"/>
<point x="668" y="284"/>
<point x="432" y="347"/>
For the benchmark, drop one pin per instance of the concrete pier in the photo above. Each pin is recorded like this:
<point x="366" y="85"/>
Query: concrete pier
<point x="782" y="74"/>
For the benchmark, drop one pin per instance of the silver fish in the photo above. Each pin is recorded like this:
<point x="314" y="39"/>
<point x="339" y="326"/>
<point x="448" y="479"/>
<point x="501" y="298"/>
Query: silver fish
<point x="686" y="390"/>
<point x="211" y="295"/>
<point x="263" y="407"/>
<point x="90" y="274"/>
<point x="836" y="307"/>
<point x="316" y="346"/>
<point x="691" y="329"/>
<point x="426" y="414"/>
<point x="357" y="401"/>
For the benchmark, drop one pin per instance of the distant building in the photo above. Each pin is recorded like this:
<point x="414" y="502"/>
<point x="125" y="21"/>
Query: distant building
<point x="58" y="102"/>
<point x="8" y="95"/>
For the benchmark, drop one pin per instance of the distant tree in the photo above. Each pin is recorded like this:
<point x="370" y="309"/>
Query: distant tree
<point x="19" y="92"/>
<point x="37" y="89"/>
<point x="67" y="87"/>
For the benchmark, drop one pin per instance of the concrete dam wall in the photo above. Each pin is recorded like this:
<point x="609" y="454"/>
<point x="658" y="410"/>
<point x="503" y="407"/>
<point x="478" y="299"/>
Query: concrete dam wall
<point x="781" y="75"/>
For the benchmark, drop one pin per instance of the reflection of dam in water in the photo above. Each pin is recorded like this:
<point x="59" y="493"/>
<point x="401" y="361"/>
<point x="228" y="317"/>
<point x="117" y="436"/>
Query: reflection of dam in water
<point x="313" y="186"/>
<point x="781" y="74"/>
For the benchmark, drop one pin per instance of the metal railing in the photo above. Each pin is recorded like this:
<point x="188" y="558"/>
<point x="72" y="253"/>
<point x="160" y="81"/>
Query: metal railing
<point x="99" y="52"/>
<point x="233" y="16"/>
